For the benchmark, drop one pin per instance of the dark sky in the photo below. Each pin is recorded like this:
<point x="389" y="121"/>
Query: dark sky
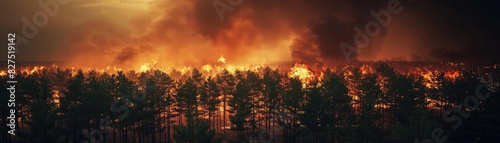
<point x="96" y="32"/>
<point x="473" y="25"/>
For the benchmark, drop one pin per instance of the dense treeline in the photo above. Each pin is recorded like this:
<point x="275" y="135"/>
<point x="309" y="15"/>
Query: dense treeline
<point x="346" y="105"/>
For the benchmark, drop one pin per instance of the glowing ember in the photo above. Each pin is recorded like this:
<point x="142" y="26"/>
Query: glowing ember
<point x="147" y="66"/>
<point x="30" y="71"/>
<point x="56" y="97"/>
<point x="428" y="75"/>
<point x="452" y="74"/>
<point x="222" y="59"/>
<point x="144" y="67"/>
<point x="207" y="68"/>
<point x="365" y="69"/>
<point x="186" y="70"/>
<point x="302" y="72"/>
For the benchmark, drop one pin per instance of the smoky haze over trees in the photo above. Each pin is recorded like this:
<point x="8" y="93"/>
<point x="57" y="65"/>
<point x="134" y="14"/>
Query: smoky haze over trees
<point x="305" y="30"/>
<point x="342" y="104"/>
<point x="347" y="105"/>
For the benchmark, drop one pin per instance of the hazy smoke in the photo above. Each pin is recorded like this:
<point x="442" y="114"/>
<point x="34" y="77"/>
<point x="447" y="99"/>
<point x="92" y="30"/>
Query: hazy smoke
<point x="190" y="33"/>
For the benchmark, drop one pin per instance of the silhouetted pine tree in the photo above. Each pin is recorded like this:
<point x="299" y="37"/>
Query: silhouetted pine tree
<point x="70" y="109"/>
<point x="42" y="120"/>
<point x="240" y="103"/>
<point x="320" y="111"/>
<point x="226" y="82"/>
<point x="186" y="96"/>
<point x="410" y="109"/>
<point x="335" y="89"/>
<point x="442" y="94"/>
<point x="272" y="91"/>
<point x="487" y="117"/>
<point x="254" y="84"/>
<point x="95" y="104"/>
<point x="369" y="94"/>
<point x="122" y="104"/>
<point x="210" y="99"/>
<point x="148" y="106"/>
<point x="388" y="76"/>
<point x="410" y="94"/>
<point x="198" y="79"/>
<point x="167" y="105"/>
<point x="420" y="126"/>
<point x="314" y="115"/>
<point x="290" y="106"/>
<point x="195" y="129"/>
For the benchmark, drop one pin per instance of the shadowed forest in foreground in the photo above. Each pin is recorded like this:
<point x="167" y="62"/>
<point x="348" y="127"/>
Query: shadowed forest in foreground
<point x="343" y="105"/>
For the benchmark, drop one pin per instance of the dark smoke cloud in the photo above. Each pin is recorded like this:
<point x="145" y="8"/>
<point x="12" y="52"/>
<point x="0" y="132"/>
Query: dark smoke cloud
<point x="127" y="54"/>
<point x="425" y="30"/>
<point x="319" y="26"/>
<point x="473" y="27"/>
<point x="450" y="30"/>
<point x="190" y="32"/>
<point x="335" y="24"/>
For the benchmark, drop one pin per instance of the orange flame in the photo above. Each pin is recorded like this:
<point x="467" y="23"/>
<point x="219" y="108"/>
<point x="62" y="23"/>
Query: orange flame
<point x="429" y="77"/>
<point x="302" y="72"/>
<point x="222" y="59"/>
<point x="452" y="74"/>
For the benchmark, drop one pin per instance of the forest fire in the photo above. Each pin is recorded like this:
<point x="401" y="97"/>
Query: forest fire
<point x="31" y="70"/>
<point x="361" y="86"/>
<point x="222" y="59"/>
<point x="452" y="74"/>
<point x="302" y="72"/>
<point x="147" y="66"/>
<point x="429" y="76"/>
<point x="233" y="71"/>
<point x="366" y="69"/>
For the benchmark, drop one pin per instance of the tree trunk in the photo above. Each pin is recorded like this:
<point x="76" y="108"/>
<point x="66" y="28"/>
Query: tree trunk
<point x="114" y="135"/>
<point x="224" y="116"/>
